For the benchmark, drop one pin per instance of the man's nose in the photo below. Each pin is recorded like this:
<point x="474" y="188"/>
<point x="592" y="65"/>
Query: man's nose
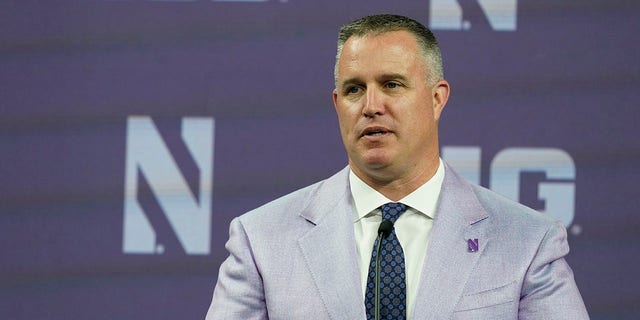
<point x="373" y="104"/>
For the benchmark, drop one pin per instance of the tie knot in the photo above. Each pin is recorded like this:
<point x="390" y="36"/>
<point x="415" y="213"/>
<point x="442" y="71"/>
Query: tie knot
<point x="392" y="210"/>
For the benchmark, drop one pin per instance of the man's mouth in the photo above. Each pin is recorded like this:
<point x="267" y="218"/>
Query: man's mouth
<point x="374" y="131"/>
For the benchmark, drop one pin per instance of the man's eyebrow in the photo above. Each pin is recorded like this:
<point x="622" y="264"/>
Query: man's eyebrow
<point x="380" y="78"/>
<point x="392" y="76"/>
<point x="350" y="81"/>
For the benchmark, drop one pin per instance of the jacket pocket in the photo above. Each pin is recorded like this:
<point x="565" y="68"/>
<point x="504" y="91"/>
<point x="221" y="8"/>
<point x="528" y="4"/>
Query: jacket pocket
<point x="487" y="298"/>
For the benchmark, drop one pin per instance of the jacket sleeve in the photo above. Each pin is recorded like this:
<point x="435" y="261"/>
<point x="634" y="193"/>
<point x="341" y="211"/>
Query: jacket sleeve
<point x="549" y="290"/>
<point x="239" y="293"/>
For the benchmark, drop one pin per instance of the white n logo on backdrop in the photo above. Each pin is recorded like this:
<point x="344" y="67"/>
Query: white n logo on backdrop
<point x="448" y="15"/>
<point x="189" y="216"/>
<point x="558" y="193"/>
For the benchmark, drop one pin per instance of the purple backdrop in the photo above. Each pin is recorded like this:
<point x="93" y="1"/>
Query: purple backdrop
<point x="90" y="228"/>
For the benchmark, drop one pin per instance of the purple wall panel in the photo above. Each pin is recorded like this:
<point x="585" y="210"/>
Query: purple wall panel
<point x="72" y="75"/>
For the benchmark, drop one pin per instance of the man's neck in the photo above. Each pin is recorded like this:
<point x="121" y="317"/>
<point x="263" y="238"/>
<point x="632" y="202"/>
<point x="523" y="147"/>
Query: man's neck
<point x="398" y="186"/>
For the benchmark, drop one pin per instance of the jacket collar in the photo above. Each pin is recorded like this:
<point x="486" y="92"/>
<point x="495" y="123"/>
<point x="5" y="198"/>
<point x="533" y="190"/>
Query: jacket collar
<point x="329" y="248"/>
<point x="448" y="262"/>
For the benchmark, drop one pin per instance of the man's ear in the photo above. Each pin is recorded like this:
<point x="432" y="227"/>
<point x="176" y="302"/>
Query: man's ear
<point x="335" y="98"/>
<point x="440" y="93"/>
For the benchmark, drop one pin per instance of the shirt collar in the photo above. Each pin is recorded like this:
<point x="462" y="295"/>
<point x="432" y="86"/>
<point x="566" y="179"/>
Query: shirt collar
<point x="424" y="199"/>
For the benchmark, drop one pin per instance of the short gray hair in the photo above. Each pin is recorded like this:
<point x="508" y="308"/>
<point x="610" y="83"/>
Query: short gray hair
<point x="382" y="23"/>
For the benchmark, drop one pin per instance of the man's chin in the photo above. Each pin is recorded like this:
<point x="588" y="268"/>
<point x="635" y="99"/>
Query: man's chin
<point x="370" y="160"/>
<point x="372" y="164"/>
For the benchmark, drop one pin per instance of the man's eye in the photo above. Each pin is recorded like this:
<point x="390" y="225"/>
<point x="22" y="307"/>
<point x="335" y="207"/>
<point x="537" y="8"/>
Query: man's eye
<point x="352" y="90"/>
<point x="392" y="85"/>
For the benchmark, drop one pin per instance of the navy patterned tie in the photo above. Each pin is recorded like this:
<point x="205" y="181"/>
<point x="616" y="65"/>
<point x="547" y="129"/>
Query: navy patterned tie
<point x="392" y="277"/>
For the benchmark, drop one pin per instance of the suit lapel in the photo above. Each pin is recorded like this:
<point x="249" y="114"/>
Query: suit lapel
<point x="448" y="263"/>
<point x="329" y="249"/>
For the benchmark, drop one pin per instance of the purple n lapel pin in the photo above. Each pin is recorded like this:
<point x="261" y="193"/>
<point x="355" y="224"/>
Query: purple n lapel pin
<point x="472" y="245"/>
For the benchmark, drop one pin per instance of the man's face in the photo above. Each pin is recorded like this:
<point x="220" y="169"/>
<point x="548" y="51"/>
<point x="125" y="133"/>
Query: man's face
<point x="387" y="110"/>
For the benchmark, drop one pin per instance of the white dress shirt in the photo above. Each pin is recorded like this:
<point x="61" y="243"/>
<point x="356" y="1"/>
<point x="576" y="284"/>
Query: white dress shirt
<point x="413" y="227"/>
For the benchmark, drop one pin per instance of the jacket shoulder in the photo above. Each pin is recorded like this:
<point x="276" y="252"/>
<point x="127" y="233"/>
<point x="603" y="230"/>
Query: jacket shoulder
<point x="506" y="211"/>
<point x="282" y="209"/>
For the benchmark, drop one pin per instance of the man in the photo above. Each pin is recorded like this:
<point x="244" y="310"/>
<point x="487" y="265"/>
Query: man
<point x="462" y="251"/>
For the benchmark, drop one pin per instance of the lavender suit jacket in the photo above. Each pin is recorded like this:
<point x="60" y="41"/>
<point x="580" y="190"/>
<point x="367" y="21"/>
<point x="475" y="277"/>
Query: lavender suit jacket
<point x="295" y="258"/>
